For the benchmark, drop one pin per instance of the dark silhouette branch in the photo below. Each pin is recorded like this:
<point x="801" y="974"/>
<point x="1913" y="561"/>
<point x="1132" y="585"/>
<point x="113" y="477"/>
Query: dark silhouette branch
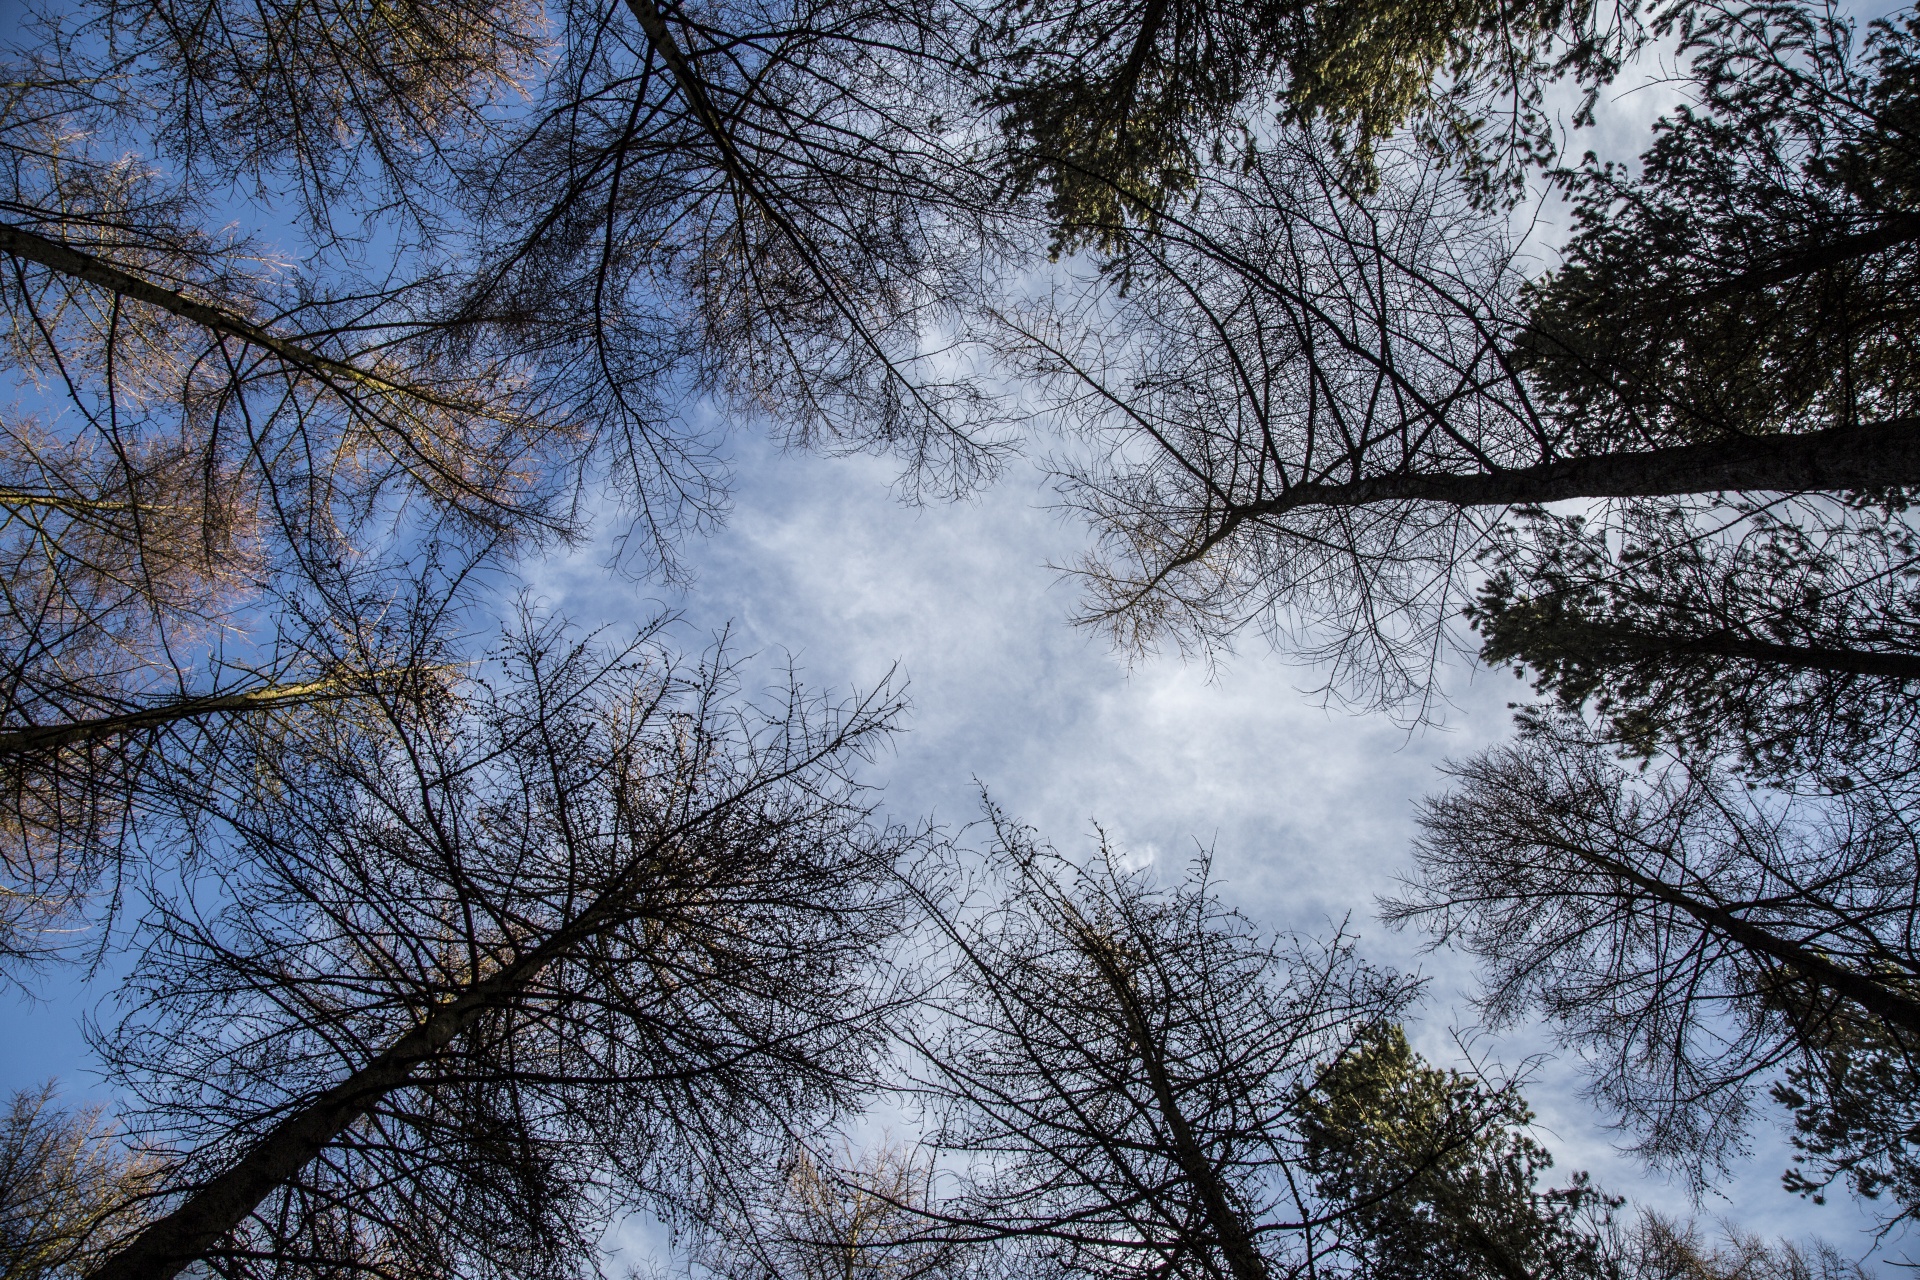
<point x="1880" y="455"/>
<point x="79" y="265"/>
<point x="34" y="738"/>
<point x="1228" y="1227"/>
<point x="169" y="1245"/>
<point x="1727" y="644"/>
<point x="1889" y="234"/>
<point x="1875" y="997"/>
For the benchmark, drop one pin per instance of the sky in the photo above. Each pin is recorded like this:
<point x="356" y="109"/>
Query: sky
<point x="1308" y="811"/>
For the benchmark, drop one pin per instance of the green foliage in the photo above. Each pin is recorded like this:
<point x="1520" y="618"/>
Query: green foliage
<point x="1439" y="1175"/>
<point x="1856" y="1114"/>
<point x="1368" y="69"/>
<point x="1115" y="107"/>
<point x="1758" y="274"/>
<point x="1788" y="640"/>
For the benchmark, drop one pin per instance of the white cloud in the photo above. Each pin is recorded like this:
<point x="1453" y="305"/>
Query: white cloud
<point x="1309" y="811"/>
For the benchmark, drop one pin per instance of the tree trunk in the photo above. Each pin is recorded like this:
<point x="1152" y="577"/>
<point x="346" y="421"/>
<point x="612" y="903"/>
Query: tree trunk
<point x="32" y="738"/>
<point x="166" y="1247"/>
<point x="1726" y="644"/>
<point x="1229" y="1230"/>
<point x="184" y="1236"/>
<point x="1875" y="997"/>
<point x="69" y="261"/>
<point x="1893" y="232"/>
<point x="1879" y="455"/>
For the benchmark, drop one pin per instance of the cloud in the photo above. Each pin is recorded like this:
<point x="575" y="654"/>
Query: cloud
<point x="1308" y="811"/>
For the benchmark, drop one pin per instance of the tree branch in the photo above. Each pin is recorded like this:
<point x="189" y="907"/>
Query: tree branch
<point x="69" y="261"/>
<point x="1873" y="996"/>
<point x="33" y="738"/>
<point x="1880" y="455"/>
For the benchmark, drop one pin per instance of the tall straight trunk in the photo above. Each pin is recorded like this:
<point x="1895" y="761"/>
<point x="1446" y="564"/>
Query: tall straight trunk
<point x="34" y="738"/>
<point x="1634" y="643"/>
<point x="1230" y="1230"/>
<point x="80" y="265"/>
<point x="1875" y="456"/>
<point x="166" y="1247"/>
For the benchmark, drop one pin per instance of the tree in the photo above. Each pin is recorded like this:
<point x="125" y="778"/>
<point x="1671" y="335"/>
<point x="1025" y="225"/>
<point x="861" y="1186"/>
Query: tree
<point x="864" y="1219"/>
<point x="1780" y="639"/>
<point x="1754" y="277"/>
<point x="1263" y="351"/>
<point x="1439" y="1174"/>
<point x="1687" y="934"/>
<point x="81" y="819"/>
<point x="734" y="202"/>
<point x="297" y="293"/>
<point x="1147" y="1086"/>
<point x="1114" y="108"/>
<point x="460" y="980"/>
<point x="1696" y="933"/>
<point x="178" y="482"/>
<point x="68" y="1193"/>
<point x="1854" y="1120"/>
<point x="1659" y="1248"/>
<point x="1121" y="1067"/>
<point x="1766" y="639"/>
<point x="1322" y="398"/>
<point x="1775" y="632"/>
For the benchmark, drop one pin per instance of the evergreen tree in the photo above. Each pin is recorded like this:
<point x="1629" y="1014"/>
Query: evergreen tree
<point x="1118" y="108"/>
<point x="1856" y="1121"/>
<point x="1439" y="1174"/>
<point x="1785" y="638"/>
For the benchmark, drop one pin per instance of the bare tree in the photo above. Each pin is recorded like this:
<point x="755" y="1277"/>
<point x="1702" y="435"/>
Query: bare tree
<point x="1280" y="361"/>
<point x="68" y="1190"/>
<point x="1121" y="1066"/>
<point x="1661" y="1248"/>
<point x="1688" y="935"/>
<point x="82" y="821"/>
<point x="1307" y="401"/>
<point x="180" y="464"/>
<point x="510" y="254"/>
<point x="460" y="980"/>
<point x="731" y="200"/>
<point x="863" y="1218"/>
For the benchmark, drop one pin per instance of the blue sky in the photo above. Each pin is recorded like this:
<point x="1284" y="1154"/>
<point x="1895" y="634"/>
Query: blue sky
<point x="1308" y="810"/>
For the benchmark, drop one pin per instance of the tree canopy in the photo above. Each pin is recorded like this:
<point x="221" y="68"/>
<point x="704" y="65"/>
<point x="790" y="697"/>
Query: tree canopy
<point x="325" y="321"/>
